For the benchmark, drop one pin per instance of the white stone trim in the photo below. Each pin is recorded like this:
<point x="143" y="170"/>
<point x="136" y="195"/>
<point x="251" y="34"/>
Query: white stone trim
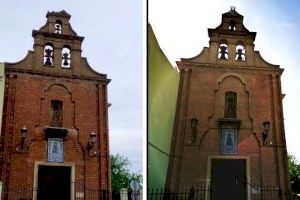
<point x="45" y="163"/>
<point x="208" y="171"/>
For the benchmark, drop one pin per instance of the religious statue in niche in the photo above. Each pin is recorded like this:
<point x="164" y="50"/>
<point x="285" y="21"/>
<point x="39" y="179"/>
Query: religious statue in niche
<point x="56" y="120"/>
<point x="55" y="150"/>
<point x="229" y="141"/>
<point x="230" y="105"/>
<point x="194" y="135"/>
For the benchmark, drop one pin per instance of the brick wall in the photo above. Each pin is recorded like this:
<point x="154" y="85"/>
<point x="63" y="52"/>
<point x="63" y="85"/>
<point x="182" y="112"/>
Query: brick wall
<point x="30" y="86"/>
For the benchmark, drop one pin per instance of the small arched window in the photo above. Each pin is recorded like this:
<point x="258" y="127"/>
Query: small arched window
<point x="223" y="50"/>
<point x="232" y="25"/>
<point x="240" y="52"/>
<point x="58" y="26"/>
<point x="56" y="113"/>
<point x="66" y="57"/>
<point x="48" y="54"/>
<point x="230" y="104"/>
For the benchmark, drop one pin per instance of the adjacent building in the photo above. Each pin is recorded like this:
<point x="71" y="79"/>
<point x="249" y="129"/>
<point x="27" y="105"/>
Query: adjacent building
<point x="163" y="81"/>
<point x="54" y="142"/>
<point x="2" y="81"/>
<point x="228" y="140"/>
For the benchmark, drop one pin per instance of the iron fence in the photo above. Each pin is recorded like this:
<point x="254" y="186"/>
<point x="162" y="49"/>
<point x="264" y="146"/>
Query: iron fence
<point x="84" y="193"/>
<point x="265" y="192"/>
<point x="80" y="192"/>
<point x="193" y="193"/>
<point x="20" y="193"/>
<point x="204" y="193"/>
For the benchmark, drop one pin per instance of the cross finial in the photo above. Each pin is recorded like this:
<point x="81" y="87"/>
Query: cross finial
<point x="232" y="7"/>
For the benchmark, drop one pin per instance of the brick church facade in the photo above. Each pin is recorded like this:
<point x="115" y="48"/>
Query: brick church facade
<point x="55" y="125"/>
<point x="229" y="131"/>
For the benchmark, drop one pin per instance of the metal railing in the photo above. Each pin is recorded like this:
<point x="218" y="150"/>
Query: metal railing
<point x="20" y="193"/>
<point x="265" y="192"/>
<point x="193" y="193"/>
<point x="80" y="193"/>
<point x="205" y="192"/>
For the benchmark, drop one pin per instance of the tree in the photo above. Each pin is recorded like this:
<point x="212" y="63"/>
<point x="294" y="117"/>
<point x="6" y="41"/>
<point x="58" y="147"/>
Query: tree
<point x="294" y="170"/>
<point x="121" y="174"/>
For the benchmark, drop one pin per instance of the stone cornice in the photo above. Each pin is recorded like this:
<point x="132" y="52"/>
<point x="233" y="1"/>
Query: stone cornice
<point x="195" y="65"/>
<point x="23" y="71"/>
<point x="55" y="35"/>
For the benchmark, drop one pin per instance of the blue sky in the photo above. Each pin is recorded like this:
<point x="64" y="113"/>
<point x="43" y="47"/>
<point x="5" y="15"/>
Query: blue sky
<point x="181" y="30"/>
<point x="113" y="45"/>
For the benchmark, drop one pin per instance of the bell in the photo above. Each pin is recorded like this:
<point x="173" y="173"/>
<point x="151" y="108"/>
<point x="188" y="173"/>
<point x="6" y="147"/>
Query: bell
<point x="232" y="25"/>
<point x="48" y="56"/>
<point x="65" y="63"/>
<point x="65" y="58"/>
<point x="57" y="28"/>
<point x="223" y="52"/>
<point x="239" y="53"/>
<point x="48" y="61"/>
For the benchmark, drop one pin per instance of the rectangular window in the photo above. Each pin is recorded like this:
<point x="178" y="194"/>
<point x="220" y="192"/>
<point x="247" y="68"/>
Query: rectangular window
<point x="229" y="142"/>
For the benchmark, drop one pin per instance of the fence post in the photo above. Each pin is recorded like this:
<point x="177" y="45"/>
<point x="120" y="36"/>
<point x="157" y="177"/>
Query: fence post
<point x="192" y="193"/>
<point x="140" y="193"/>
<point x="123" y="194"/>
<point x="1" y="184"/>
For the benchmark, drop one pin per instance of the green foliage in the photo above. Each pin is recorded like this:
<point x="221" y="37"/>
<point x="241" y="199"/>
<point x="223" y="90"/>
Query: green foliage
<point x="121" y="174"/>
<point x="294" y="170"/>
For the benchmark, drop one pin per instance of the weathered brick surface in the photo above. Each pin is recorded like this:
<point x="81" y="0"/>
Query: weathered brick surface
<point x="204" y="81"/>
<point x="29" y="89"/>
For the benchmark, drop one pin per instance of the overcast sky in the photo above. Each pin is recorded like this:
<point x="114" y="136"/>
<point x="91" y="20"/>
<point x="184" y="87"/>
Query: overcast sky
<point x="181" y="30"/>
<point x="113" y="45"/>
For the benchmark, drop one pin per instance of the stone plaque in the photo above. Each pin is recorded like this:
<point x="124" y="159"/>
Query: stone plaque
<point x="229" y="142"/>
<point x="55" y="150"/>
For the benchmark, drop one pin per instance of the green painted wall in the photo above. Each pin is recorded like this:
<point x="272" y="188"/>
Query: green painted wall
<point x="2" y="79"/>
<point x="163" y="81"/>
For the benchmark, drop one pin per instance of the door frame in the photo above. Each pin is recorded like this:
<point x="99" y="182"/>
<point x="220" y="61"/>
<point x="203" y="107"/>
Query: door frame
<point x="37" y="164"/>
<point x="208" y="171"/>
